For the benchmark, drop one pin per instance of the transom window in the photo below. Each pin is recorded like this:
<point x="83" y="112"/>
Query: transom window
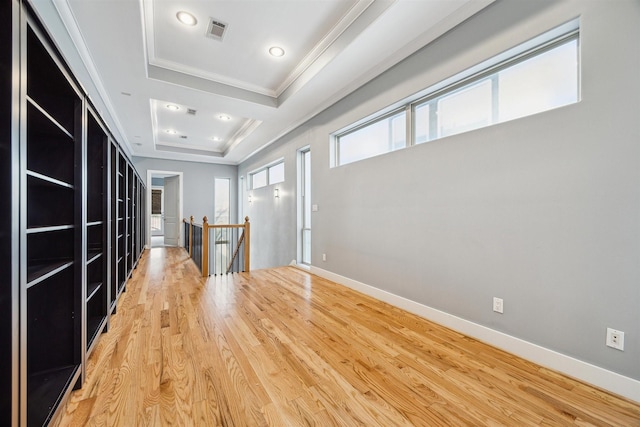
<point x="529" y="81"/>
<point x="271" y="174"/>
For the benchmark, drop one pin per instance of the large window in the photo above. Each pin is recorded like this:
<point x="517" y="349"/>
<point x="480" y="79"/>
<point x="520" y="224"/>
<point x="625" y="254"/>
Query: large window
<point x="305" y="205"/>
<point x="222" y="200"/>
<point x="530" y="81"/>
<point x="267" y="175"/>
<point x="542" y="82"/>
<point x="221" y="254"/>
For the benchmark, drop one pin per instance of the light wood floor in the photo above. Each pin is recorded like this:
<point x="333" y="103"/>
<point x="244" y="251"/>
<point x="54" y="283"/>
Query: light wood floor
<point x="281" y="347"/>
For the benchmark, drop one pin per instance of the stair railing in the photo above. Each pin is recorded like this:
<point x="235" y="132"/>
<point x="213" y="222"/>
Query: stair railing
<point x="193" y="242"/>
<point x="226" y="249"/>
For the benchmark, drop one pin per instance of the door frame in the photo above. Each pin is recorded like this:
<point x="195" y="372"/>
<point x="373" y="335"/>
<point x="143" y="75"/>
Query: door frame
<point x="163" y="173"/>
<point x="155" y="187"/>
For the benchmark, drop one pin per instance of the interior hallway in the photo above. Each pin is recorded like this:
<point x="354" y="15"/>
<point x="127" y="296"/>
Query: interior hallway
<point x="281" y="347"/>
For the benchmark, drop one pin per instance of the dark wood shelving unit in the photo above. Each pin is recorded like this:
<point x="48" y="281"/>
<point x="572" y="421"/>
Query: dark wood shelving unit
<point x="9" y="237"/>
<point x="122" y="223"/>
<point x="50" y="291"/>
<point x="129" y="219"/>
<point x="113" y="226"/>
<point x="71" y="225"/>
<point x="43" y="386"/>
<point x="96" y="292"/>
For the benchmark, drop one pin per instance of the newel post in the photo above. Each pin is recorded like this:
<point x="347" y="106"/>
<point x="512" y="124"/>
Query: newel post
<point x="191" y="236"/>
<point x="247" y="244"/>
<point x="205" y="247"/>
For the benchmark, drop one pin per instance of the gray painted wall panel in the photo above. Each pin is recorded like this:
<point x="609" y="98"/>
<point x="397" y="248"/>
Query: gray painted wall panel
<point x="543" y="211"/>
<point x="198" y="183"/>
<point x="273" y="221"/>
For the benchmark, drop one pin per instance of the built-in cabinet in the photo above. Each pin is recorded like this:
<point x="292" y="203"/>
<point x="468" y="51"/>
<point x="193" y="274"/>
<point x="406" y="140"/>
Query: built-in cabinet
<point x="96" y="225"/>
<point x="71" y="229"/>
<point x="51" y="146"/>
<point x="9" y="234"/>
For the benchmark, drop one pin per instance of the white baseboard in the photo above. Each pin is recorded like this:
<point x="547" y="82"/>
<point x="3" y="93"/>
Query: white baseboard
<point x="600" y="377"/>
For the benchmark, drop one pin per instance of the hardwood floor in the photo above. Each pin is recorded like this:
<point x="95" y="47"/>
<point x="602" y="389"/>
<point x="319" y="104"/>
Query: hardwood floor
<point x="281" y="347"/>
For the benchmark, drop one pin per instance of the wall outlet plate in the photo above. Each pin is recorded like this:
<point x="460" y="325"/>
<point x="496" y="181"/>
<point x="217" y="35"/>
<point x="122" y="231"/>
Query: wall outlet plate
<point x="615" y="339"/>
<point x="498" y="305"/>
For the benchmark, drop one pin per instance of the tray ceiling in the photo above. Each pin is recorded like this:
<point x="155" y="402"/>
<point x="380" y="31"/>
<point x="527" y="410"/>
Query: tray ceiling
<point x="141" y="58"/>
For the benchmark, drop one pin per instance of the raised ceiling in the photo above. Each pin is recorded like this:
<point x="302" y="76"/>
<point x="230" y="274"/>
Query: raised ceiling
<point x="141" y="59"/>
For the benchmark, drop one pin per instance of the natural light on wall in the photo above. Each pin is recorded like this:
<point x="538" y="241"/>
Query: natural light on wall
<point x="531" y="81"/>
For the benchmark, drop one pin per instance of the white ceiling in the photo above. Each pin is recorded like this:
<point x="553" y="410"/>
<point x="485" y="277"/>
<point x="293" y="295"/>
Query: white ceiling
<point x="141" y="58"/>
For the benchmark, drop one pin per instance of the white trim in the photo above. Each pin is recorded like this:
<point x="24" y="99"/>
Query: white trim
<point x="303" y="267"/>
<point x="150" y="174"/>
<point x="600" y="377"/>
<point x="305" y="68"/>
<point x="161" y="188"/>
<point x="70" y="22"/>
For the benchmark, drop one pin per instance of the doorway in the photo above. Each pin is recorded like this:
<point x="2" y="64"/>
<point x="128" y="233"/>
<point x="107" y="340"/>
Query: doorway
<point x="164" y="208"/>
<point x="157" y="208"/>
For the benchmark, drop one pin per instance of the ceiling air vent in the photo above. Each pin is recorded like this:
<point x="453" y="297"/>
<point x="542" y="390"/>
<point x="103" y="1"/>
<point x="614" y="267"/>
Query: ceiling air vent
<point x="191" y="111"/>
<point x="183" y="136"/>
<point x="216" y="29"/>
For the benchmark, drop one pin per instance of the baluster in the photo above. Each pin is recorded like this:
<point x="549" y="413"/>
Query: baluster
<point x="191" y="236"/>
<point x="205" y="247"/>
<point x="247" y="248"/>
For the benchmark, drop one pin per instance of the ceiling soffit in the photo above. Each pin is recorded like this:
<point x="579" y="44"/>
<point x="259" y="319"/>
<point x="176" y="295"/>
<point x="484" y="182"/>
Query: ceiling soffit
<point x="325" y="29"/>
<point x="181" y="128"/>
<point x="354" y="42"/>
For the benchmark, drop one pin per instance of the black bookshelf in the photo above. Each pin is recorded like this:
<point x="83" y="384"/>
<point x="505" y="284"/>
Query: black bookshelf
<point x="96" y="286"/>
<point x="9" y="180"/>
<point x="113" y="238"/>
<point x="129" y="219"/>
<point x="52" y="189"/>
<point x="122" y="223"/>
<point x="71" y="224"/>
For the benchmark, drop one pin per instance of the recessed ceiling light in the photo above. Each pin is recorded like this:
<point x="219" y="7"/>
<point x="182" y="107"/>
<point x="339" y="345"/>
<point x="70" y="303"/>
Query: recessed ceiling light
<point x="171" y="131"/>
<point x="276" y="51"/>
<point x="172" y="107"/>
<point x="217" y="138"/>
<point x="186" y="18"/>
<point x="224" y="117"/>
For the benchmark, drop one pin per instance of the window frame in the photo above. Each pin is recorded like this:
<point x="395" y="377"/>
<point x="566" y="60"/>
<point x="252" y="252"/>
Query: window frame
<point x="487" y="70"/>
<point x="370" y="122"/>
<point x="266" y="169"/>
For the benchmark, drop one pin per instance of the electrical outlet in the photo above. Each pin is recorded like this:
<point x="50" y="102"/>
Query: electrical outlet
<point x="324" y="257"/>
<point x="615" y="339"/>
<point x="498" y="305"/>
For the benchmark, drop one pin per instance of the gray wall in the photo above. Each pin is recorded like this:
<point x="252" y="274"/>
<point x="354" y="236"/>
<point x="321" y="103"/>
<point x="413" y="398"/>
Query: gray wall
<point x="543" y="211"/>
<point x="273" y="221"/>
<point x="198" y="183"/>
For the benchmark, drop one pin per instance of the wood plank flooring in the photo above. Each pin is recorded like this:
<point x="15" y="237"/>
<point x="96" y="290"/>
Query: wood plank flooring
<point x="281" y="347"/>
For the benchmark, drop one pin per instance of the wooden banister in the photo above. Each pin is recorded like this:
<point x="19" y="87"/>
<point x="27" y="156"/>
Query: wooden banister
<point x="247" y="244"/>
<point x="205" y="247"/>
<point x="191" y="236"/>
<point x="243" y="239"/>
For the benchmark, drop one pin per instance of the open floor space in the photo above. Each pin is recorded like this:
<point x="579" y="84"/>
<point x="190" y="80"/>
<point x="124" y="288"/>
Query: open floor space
<point x="282" y="347"/>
